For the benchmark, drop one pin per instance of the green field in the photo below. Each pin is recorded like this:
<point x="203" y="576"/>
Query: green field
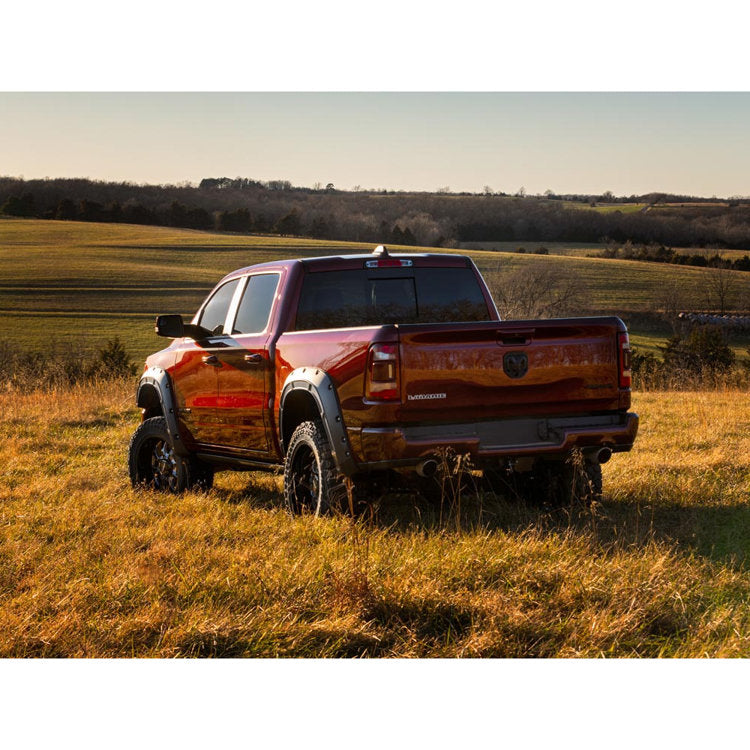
<point x="75" y="284"/>
<point x="575" y="249"/>
<point x="590" y="249"/>
<point x="607" y="208"/>
<point x="615" y="285"/>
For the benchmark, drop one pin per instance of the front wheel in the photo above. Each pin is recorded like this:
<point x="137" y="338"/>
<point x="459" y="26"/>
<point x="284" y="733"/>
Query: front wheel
<point x="153" y="463"/>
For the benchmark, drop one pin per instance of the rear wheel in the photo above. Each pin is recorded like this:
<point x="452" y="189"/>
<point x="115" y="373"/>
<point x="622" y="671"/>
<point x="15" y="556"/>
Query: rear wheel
<point x="549" y="483"/>
<point x="311" y="482"/>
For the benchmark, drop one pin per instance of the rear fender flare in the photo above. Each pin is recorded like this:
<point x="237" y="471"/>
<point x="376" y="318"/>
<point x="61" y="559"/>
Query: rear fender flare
<point x="318" y="384"/>
<point x="156" y="379"/>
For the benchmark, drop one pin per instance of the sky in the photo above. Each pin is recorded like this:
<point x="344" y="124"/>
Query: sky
<point x="629" y="143"/>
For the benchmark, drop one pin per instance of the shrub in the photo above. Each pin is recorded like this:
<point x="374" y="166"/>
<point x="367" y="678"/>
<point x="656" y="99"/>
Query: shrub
<point x="647" y="369"/>
<point x="704" y="350"/>
<point x="113" y="361"/>
<point x="29" y="370"/>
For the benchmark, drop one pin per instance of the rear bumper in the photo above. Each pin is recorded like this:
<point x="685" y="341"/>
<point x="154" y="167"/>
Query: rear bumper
<point x="511" y="438"/>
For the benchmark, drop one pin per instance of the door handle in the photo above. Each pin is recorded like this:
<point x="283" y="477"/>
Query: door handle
<point x="253" y="359"/>
<point x="211" y="359"/>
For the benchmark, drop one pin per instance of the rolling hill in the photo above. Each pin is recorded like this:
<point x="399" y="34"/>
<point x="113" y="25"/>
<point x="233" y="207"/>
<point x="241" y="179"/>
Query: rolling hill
<point x="77" y="284"/>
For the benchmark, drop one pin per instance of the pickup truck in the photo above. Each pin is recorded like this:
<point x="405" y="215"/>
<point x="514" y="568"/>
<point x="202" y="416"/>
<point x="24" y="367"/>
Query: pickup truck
<point x="346" y="368"/>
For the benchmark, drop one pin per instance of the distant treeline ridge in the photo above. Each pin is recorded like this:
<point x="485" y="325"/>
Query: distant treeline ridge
<point x="433" y="219"/>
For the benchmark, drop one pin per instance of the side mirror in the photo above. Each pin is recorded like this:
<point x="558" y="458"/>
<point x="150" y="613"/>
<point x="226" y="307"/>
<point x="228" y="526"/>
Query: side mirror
<point x="170" y="326"/>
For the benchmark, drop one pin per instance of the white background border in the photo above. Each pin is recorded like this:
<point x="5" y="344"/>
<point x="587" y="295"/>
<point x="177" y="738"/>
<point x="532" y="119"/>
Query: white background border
<point x="383" y="46"/>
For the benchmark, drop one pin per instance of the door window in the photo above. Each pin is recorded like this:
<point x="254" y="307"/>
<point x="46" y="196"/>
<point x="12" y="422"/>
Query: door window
<point x="256" y="303"/>
<point x="215" y="312"/>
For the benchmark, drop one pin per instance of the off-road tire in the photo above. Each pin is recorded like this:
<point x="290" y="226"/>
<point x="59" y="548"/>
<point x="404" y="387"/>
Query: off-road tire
<point x="312" y="483"/>
<point x="153" y="463"/>
<point x="564" y="483"/>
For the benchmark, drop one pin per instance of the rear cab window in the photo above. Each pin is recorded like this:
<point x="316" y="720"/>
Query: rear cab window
<point x="365" y="297"/>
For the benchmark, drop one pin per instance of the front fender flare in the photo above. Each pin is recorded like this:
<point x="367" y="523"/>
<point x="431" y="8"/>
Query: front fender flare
<point x="158" y="379"/>
<point x="320" y="386"/>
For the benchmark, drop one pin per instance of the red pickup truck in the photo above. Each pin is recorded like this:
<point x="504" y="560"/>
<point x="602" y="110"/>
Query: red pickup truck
<point x="363" y="365"/>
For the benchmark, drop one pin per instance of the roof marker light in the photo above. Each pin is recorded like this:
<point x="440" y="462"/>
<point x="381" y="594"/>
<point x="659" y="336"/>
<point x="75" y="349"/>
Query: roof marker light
<point x="389" y="263"/>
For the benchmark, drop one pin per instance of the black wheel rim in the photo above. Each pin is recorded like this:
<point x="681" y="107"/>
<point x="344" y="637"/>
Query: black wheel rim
<point x="157" y="464"/>
<point x="305" y="483"/>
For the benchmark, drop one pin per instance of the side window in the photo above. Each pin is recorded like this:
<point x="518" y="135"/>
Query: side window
<point x="256" y="302"/>
<point x="215" y="312"/>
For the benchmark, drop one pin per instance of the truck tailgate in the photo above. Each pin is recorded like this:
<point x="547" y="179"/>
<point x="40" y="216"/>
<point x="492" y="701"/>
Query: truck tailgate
<point x="490" y="370"/>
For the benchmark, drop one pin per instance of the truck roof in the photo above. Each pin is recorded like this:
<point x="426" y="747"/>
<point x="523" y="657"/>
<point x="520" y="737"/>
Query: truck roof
<point x="350" y="262"/>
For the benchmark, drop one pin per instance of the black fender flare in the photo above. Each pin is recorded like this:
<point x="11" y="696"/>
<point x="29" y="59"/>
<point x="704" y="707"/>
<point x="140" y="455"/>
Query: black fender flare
<point x="158" y="380"/>
<point x="320" y="386"/>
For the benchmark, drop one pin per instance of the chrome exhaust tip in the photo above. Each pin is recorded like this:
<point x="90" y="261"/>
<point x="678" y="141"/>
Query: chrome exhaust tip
<point x="604" y="455"/>
<point x="427" y="468"/>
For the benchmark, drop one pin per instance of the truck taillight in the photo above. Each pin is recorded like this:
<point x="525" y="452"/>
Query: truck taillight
<point x="382" y="373"/>
<point x="624" y="359"/>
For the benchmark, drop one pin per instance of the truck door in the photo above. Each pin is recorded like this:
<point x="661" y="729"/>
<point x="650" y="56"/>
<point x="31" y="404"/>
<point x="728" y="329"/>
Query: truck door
<point x="246" y="372"/>
<point x="196" y="369"/>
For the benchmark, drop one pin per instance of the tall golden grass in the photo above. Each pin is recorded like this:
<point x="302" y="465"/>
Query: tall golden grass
<point x="90" y="567"/>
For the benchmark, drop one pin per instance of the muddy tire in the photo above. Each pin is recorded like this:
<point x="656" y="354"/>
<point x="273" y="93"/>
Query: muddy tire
<point x="563" y="483"/>
<point x="312" y="483"/>
<point x="153" y="463"/>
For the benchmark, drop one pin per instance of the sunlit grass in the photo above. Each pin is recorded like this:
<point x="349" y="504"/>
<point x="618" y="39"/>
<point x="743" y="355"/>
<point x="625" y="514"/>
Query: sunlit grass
<point x="89" y="567"/>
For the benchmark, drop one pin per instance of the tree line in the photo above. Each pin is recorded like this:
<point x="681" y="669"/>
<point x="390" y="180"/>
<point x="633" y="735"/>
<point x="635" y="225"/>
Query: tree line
<point x="662" y="254"/>
<point x="434" y="219"/>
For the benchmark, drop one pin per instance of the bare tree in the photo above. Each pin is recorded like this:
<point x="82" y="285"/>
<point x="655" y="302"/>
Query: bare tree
<point x="537" y="290"/>
<point x="719" y="288"/>
<point x="669" y="302"/>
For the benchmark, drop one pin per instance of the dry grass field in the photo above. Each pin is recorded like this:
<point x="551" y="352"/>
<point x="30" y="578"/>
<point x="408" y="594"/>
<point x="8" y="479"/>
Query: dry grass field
<point x="89" y="567"/>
